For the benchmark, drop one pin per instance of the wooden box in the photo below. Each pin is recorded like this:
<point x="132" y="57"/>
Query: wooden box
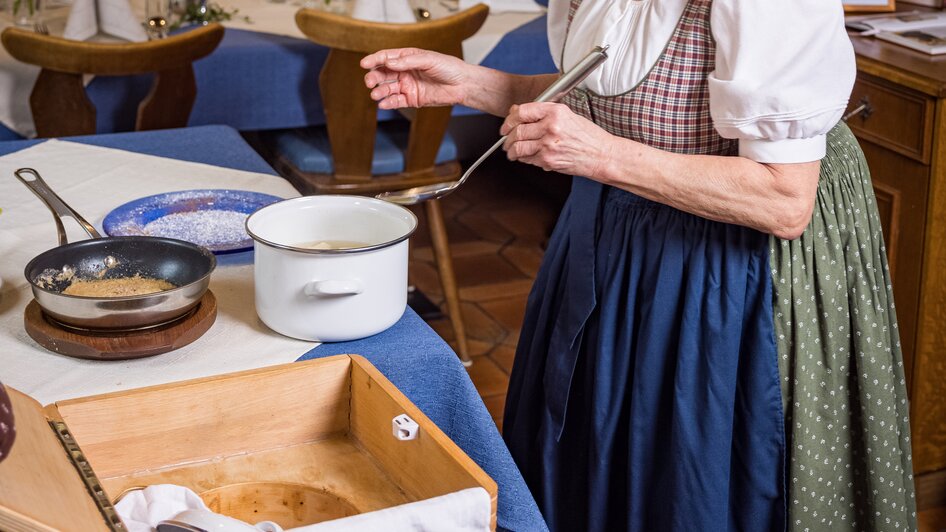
<point x="296" y="443"/>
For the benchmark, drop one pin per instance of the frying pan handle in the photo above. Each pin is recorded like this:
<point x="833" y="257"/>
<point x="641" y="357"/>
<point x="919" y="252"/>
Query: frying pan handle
<point x="35" y="183"/>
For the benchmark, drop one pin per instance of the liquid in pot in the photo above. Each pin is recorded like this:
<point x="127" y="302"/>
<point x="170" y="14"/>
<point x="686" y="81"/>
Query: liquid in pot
<point x="331" y="244"/>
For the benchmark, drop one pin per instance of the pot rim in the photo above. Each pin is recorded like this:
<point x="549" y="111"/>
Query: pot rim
<point x="344" y="251"/>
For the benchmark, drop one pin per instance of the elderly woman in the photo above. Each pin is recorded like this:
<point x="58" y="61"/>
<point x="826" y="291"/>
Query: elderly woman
<point x="711" y="342"/>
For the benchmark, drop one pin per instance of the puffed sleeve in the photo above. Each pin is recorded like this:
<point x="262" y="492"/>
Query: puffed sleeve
<point x="784" y="72"/>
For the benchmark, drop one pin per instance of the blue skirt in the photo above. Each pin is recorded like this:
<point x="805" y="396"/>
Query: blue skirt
<point x="645" y="392"/>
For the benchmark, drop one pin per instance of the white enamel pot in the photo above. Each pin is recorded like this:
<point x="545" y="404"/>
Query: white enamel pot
<point x="330" y="295"/>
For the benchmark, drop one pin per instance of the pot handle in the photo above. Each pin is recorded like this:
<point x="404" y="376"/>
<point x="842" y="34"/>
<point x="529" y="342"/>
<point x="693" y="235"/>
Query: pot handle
<point x="35" y="183"/>
<point x="334" y="288"/>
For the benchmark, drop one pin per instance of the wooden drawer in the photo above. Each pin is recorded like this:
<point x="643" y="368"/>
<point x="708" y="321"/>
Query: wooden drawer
<point x="296" y="443"/>
<point x="894" y="117"/>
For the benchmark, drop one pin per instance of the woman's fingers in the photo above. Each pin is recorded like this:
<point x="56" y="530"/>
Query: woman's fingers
<point x="525" y="140"/>
<point x="533" y="131"/>
<point x="531" y="112"/>
<point x="374" y="60"/>
<point x="385" y="68"/>
<point x="395" y="101"/>
<point x="547" y="135"/>
<point x="379" y="76"/>
<point x="385" y="89"/>
<point x="523" y="149"/>
<point x="535" y="111"/>
<point x="410" y="77"/>
<point x="511" y="121"/>
<point x="382" y="57"/>
<point x="531" y="121"/>
<point x="401" y="60"/>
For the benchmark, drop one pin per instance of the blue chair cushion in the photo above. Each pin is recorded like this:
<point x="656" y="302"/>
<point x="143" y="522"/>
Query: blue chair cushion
<point x="309" y="151"/>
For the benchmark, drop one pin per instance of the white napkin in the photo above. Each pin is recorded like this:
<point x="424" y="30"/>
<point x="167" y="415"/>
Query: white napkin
<point x="391" y="11"/>
<point x="462" y="511"/>
<point x="113" y="17"/>
<point x="505" y="6"/>
<point x="142" y="510"/>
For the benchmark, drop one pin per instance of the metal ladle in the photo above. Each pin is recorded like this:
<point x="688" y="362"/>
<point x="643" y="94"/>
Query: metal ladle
<point x="562" y="86"/>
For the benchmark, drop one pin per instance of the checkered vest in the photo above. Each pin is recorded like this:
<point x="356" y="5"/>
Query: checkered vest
<point x="669" y="109"/>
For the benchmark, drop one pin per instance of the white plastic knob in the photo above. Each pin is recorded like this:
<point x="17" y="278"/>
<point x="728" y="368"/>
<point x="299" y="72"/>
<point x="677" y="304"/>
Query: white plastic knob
<point x="404" y="428"/>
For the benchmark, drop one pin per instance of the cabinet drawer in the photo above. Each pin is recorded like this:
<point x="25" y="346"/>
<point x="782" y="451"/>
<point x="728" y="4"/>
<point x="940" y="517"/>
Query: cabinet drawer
<point x="894" y="117"/>
<point x="901" y="186"/>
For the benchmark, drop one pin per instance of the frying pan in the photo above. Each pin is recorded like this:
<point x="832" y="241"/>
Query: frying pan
<point x="183" y="264"/>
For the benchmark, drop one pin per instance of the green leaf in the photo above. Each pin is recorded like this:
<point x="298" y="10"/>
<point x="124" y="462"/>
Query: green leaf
<point x="30" y="6"/>
<point x="214" y="13"/>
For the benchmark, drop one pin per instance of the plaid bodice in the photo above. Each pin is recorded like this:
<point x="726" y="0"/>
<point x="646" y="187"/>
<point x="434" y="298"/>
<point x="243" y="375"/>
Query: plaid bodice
<point x="669" y="109"/>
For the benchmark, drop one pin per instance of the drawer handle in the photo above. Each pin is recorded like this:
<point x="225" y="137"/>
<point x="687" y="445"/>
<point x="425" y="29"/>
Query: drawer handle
<point x="864" y="109"/>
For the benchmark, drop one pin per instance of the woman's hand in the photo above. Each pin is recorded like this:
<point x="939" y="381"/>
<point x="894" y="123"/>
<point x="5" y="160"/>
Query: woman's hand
<point x="410" y="77"/>
<point x="551" y="136"/>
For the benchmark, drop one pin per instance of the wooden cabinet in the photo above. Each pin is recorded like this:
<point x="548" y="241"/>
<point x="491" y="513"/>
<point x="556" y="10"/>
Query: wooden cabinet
<point x="902" y="130"/>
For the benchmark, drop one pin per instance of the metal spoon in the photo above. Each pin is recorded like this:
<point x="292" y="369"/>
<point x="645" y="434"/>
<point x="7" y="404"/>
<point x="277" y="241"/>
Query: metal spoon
<point x="169" y="525"/>
<point x="562" y="86"/>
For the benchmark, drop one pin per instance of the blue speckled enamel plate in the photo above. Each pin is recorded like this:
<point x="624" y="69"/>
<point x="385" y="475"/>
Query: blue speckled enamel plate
<point x="210" y="218"/>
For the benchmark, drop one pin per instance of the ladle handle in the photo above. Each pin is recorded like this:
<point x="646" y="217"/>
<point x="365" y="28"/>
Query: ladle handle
<point x="554" y="93"/>
<point x="35" y="183"/>
<point x="569" y="80"/>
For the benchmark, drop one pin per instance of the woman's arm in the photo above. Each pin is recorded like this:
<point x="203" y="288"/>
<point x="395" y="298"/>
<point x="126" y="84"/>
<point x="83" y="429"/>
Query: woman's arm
<point x="772" y="198"/>
<point x="410" y="77"/>
<point x="495" y="92"/>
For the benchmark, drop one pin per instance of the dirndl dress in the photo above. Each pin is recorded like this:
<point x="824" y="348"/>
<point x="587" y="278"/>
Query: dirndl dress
<point x="677" y="373"/>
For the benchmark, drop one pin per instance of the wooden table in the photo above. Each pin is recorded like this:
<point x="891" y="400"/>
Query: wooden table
<point x="410" y="354"/>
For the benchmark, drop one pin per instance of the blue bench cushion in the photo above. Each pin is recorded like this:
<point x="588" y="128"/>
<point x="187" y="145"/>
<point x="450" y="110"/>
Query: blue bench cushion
<point x="309" y="151"/>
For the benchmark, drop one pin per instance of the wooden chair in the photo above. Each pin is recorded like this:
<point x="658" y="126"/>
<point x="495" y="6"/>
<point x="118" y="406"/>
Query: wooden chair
<point x="347" y="158"/>
<point x="59" y="103"/>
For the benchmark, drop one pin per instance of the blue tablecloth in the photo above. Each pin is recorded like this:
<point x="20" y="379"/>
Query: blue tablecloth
<point x="410" y="353"/>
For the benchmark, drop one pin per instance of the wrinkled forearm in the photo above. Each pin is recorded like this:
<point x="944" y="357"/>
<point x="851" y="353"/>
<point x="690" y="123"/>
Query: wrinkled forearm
<point x="494" y="92"/>
<point x="773" y="198"/>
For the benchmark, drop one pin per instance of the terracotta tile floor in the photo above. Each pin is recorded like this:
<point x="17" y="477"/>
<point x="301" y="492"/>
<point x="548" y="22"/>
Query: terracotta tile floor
<point x="497" y="225"/>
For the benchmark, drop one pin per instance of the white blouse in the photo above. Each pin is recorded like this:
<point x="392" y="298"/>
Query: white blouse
<point x="784" y="69"/>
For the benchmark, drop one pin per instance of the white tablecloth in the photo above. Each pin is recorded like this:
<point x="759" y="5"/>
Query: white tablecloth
<point x="94" y="180"/>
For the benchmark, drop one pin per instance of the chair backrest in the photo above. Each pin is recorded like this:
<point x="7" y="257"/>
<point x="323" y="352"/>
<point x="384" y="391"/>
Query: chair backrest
<point x="350" y="113"/>
<point x="59" y="103"/>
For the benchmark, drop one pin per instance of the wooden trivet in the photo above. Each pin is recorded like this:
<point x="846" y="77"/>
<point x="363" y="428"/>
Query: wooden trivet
<point x="119" y="345"/>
